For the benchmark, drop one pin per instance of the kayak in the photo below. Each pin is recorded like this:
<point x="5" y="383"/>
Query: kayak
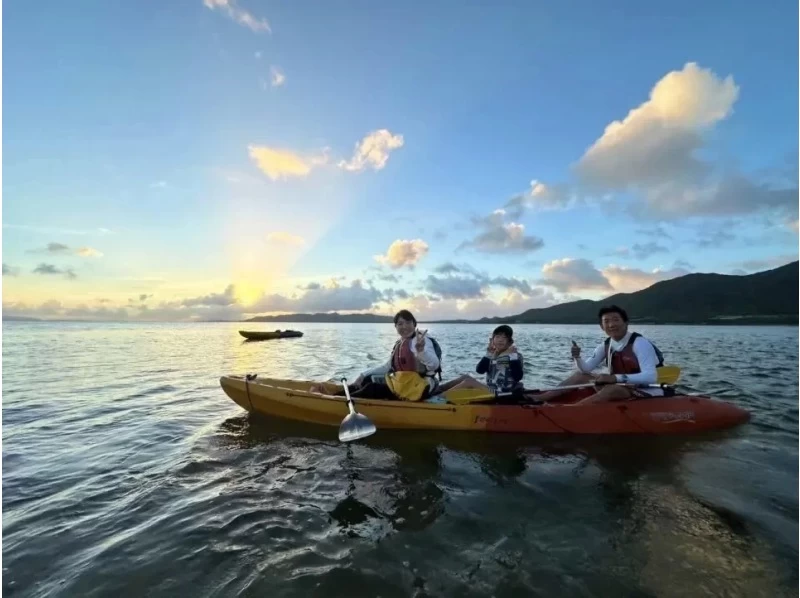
<point x="263" y="335"/>
<point x="679" y="414"/>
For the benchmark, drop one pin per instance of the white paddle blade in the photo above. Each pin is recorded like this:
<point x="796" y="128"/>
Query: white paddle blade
<point x="355" y="427"/>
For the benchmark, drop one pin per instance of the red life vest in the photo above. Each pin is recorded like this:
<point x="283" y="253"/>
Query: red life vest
<point x="624" y="361"/>
<point x="403" y="358"/>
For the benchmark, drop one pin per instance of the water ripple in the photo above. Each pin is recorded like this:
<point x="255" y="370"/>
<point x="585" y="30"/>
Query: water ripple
<point x="126" y="470"/>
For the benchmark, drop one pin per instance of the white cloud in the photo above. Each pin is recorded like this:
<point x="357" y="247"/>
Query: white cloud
<point x="285" y="238"/>
<point x="757" y="265"/>
<point x="279" y="163"/>
<point x="655" y="143"/>
<point x="239" y="15"/>
<point x="571" y="274"/>
<point x="277" y="78"/>
<point x="158" y="185"/>
<point x="542" y="197"/>
<point x="404" y="253"/>
<point x="373" y="151"/>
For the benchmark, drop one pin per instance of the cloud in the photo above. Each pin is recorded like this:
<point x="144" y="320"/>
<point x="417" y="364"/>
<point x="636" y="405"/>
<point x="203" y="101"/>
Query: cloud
<point x="282" y="164"/>
<point x="629" y="280"/>
<point x="332" y="296"/>
<point x="9" y="270"/>
<point x="570" y="274"/>
<point x="641" y="251"/>
<point x="758" y="265"/>
<point x="714" y="238"/>
<point x="454" y="287"/>
<point x="238" y="15"/>
<point x="158" y="185"/>
<point x="655" y="143"/>
<point x="277" y="78"/>
<point x="791" y="224"/>
<point x="543" y="197"/>
<point x="373" y="151"/>
<point x="285" y="238"/>
<point x="446" y="268"/>
<point x="501" y="237"/>
<point x="88" y="252"/>
<point x="404" y="253"/>
<point x="227" y="297"/>
<point x="50" y="270"/>
<point x="56" y="248"/>
<point x="513" y="302"/>
<point x="61" y="249"/>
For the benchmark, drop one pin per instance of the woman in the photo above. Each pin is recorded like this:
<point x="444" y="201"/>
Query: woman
<point x="502" y="365"/>
<point x="410" y="372"/>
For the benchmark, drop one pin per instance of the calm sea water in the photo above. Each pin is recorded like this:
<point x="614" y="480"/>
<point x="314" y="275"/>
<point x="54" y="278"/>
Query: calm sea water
<point x="128" y="472"/>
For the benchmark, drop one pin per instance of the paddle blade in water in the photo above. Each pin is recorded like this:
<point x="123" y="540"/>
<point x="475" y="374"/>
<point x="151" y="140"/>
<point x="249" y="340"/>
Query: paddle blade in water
<point x="355" y="427"/>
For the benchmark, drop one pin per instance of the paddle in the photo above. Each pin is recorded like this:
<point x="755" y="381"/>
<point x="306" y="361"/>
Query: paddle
<point x="354" y="426"/>
<point x="667" y="374"/>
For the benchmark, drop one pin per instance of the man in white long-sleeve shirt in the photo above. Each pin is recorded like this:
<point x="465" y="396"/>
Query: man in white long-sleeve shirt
<point x="631" y="359"/>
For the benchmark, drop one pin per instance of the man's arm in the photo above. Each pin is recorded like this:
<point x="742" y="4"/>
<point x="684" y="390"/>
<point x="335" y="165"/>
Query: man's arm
<point x="648" y="360"/>
<point x="588" y="365"/>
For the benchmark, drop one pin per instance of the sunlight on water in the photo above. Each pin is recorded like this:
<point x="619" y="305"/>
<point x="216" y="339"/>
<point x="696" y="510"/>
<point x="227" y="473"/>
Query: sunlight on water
<point x="127" y="471"/>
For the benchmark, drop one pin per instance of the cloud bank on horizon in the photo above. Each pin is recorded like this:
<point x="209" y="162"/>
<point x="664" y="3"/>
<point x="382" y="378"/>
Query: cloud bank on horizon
<point x="350" y="193"/>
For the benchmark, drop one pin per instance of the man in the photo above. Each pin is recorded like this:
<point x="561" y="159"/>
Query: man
<point x="631" y="359"/>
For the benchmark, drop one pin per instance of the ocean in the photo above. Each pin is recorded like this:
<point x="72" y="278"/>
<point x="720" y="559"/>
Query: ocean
<point x="128" y="472"/>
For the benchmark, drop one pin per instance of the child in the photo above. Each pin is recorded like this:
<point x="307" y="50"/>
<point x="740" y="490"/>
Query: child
<point x="502" y="365"/>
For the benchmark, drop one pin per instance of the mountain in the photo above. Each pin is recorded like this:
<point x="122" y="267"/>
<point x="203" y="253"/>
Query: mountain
<point x="769" y="297"/>
<point x="19" y="319"/>
<point x="328" y="318"/>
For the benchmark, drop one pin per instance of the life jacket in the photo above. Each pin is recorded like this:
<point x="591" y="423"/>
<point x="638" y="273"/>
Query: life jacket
<point x="625" y="360"/>
<point x="404" y="360"/>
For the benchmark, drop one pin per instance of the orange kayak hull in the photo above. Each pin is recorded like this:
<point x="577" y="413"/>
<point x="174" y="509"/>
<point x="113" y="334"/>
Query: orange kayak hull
<point x="293" y="399"/>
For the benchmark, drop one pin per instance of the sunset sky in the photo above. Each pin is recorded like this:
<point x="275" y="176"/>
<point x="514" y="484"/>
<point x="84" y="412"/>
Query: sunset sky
<point x="220" y="159"/>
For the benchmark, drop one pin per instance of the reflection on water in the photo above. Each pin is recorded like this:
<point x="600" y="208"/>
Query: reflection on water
<point x="127" y="471"/>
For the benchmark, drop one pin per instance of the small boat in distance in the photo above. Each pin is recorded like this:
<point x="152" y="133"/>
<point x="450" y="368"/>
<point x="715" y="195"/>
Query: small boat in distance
<point x="264" y="335"/>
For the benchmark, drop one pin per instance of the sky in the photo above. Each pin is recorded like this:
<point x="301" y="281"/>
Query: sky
<point x="219" y="159"/>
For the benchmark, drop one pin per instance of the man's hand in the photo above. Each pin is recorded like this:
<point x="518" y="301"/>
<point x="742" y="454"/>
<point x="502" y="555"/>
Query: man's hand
<point x="576" y="350"/>
<point x="606" y="379"/>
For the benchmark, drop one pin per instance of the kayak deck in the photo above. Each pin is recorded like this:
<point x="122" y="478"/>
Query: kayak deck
<point x="680" y="414"/>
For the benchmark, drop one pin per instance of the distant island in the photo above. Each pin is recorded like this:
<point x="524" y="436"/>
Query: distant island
<point x="20" y="319"/>
<point x="768" y="297"/>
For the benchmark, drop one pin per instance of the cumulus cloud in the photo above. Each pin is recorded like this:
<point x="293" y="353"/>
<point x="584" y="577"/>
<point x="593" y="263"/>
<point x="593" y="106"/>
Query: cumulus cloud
<point x="239" y="15"/>
<point x="50" y="269"/>
<point x="656" y="142"/>
<point x="278" y="163"/>
<point x="404" y="253"/>
<point x="88" y="252"/>
<point x="498" y="236"/>
<point x="285" y="238"/>
<point x="373" y="151"/>
<point x="9" y="270"/>
<point x="513" y="302"/>
<point x="464" y="282"/>
<point x="573" y="274"/>
<point x="277" y="78"/>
